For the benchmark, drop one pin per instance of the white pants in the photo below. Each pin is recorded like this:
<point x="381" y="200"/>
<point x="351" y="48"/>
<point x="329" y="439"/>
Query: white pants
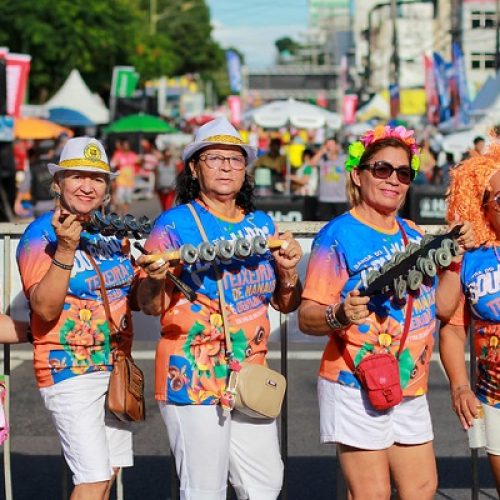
<point x="208" y="445"/>
<point x="492" y="425"/>
<point x="92" y="444"/>
<point x="347" y="417"/>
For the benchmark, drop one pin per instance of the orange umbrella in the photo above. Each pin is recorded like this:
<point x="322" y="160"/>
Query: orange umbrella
<point x="37" y="128"/>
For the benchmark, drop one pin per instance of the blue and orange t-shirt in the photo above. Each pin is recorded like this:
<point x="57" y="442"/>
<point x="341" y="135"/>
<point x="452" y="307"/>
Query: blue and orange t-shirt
<point x="343" y="253"/>
<point x="78" y="341"/>
<point x="480" y="278"/>
<point x="191" y="365"/>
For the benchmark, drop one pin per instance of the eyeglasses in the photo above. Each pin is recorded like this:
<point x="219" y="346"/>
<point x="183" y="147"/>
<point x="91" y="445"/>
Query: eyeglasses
<point x="237" y="162"/>
<point x="383" y="170"/>
<point x="495" y="201"/>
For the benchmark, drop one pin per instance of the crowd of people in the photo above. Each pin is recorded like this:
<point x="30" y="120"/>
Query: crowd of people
<point x="287" y="162"/>
<point x="62" y="266"/>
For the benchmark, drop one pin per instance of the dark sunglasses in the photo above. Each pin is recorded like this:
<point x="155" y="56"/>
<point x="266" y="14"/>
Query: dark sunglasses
<point x="495" y="201"/>
<point x="383" y="170"/>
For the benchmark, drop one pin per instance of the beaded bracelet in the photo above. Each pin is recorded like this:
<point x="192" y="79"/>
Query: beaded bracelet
<point x="332" y="320"/>
<point x="66" y="267"/>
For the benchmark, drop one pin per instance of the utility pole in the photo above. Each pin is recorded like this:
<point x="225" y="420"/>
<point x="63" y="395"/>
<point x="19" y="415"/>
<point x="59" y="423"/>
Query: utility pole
<point x="497" y="44"/>
<point x="394" y="66"/>
<point x="456" y="22"/>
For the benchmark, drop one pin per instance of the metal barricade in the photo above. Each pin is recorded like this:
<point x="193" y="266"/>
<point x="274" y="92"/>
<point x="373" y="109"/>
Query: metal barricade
<point x="300" y="230"/>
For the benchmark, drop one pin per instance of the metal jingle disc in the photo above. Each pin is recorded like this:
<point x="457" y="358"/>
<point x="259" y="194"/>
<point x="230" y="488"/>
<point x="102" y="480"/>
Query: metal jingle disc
<point x="188" y="253"/>
<point x="442" y="257"/>
<point x="206" y="251"/>
<point x="242" y="248"/>
<point x="259" y="245"/>
<point x="414" y="280"/>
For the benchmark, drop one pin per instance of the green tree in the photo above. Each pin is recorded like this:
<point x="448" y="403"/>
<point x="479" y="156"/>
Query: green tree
<point x="64" y="34"/>
<point x="286" y="44"/>
<point x="93" y="36"/>
<point x="187" y="23"/>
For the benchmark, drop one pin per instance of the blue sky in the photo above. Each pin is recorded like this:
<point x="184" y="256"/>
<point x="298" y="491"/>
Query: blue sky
<point x="252" y="26"/>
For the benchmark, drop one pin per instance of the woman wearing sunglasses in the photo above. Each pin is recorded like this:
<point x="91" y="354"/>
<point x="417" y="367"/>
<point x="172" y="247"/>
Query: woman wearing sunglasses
<point x="470" y="293"/>
<point x="373" y="446"/>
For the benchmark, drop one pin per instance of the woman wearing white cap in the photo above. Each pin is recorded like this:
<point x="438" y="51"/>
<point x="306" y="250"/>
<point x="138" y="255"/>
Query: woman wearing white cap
<point x="71" y="334"/>
<point x="209" y="442"/>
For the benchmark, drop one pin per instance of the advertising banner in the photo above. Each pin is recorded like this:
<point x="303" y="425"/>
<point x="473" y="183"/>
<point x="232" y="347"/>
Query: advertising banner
<point x="442" y="87"/>
<point x="431" y="93"/>
<point x="17" y="71"/>
<point x="234" y="103"/>
<point x="124" y="81"/>
<point x="461" y="82"/>
<point x="234" y="71"/>
<point x="349" y="105"/>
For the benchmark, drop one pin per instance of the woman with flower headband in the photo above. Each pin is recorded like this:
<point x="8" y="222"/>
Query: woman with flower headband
<point x="373" y="445"/>
<point x="471" y="292"/>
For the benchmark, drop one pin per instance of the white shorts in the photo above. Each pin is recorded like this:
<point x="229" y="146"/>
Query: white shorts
<point x="492" y="424"/>
<point x="209" y="445"/>
<point x="92" y="445"/>
<point x="123" y="194"/>
<point x="346" y="417"/>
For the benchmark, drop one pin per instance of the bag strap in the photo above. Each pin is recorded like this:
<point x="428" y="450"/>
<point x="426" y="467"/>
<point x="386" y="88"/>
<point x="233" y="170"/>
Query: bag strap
<point x="218" y="277"/>
<point x="114" y="330"/>
<point x="409" y="310"/>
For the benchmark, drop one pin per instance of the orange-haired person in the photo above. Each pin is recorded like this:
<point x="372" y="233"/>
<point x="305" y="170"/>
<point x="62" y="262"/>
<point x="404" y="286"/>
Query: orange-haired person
<point x="470" y="294"/>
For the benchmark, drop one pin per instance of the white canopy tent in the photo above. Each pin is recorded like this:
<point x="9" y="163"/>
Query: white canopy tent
<point x="74" y="94"/>
<point x="299" y="114"/>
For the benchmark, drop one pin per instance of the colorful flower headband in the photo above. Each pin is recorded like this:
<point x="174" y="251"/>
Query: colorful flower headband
<point x="357" y="148"/>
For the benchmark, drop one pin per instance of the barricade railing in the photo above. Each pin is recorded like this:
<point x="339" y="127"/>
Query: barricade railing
<point x="9" y="233"/>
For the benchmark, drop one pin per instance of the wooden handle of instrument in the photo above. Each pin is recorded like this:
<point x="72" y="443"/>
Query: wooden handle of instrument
<point x="274" y="243"/>
<point x="174" y="255"/>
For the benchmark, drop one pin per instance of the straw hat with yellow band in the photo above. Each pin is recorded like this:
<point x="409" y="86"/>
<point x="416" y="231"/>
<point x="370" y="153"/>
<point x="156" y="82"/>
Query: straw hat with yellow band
<point x="84" y="154"/>
<point x="215" y="133"/>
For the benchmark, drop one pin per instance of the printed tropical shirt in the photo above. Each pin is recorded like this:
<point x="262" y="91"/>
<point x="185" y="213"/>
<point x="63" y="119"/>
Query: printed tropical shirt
<point x="342" y="255"/>
<point x="78" y="341"/>
<point x="191" y="361"/>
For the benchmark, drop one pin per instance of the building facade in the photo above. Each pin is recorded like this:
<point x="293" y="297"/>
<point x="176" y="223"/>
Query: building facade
<point x="478" y="37"/>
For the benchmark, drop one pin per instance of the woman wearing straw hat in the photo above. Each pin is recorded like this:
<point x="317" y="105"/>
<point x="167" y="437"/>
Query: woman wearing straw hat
<point x="208" y="441"/>
<point x="470" y="294"/>
<point x="71" y="333"/>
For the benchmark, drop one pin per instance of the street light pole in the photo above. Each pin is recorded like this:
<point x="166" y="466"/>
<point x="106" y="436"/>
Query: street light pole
<point x="394" y="67"/>
<point x="497" y="44"/>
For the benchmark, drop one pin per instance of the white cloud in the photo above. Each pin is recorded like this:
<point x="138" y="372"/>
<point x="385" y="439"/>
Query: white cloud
<point x="257" y="44"/>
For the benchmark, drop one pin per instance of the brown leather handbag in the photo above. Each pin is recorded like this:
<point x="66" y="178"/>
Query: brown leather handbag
<point x="125" y="399"/>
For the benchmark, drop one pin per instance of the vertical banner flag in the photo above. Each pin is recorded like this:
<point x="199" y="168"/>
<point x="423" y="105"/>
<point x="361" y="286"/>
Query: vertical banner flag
<point x="431" y="92"/>
<point x="349" y="104"/>
<point x="394" y="99"/>
<point x="442" y="87"/>
<point x="124" y="81"/>
<point x="234" y="103"/>
<point x="234" y="71"/>
<point x="17" y="71"/>
<point x="461" y="82"/>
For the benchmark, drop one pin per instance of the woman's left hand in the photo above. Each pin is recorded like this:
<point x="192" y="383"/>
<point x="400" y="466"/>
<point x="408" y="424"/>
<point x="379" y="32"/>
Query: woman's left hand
<point x="287" y="256"/>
